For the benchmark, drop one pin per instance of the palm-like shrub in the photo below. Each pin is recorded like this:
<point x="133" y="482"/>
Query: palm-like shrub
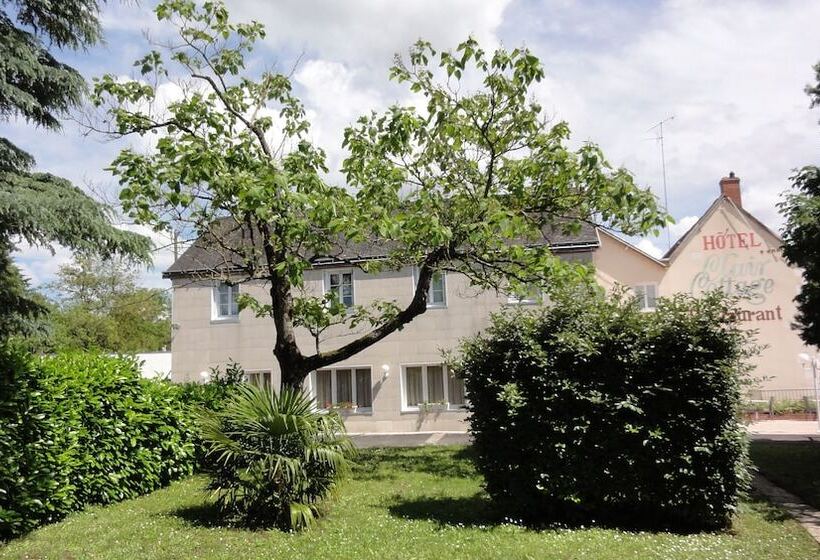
<point x="275" y="458"/>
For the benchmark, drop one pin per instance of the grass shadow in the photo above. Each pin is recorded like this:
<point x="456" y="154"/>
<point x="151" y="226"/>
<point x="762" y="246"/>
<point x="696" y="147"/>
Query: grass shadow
<point x="771" y="512"/>
<point x="390" y="463"/>
<point x="472" y="511"/>
<point x="202" y="515"/>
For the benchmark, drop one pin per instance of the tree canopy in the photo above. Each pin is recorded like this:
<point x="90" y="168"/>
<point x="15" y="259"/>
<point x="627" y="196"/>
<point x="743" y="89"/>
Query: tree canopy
<point x="99" y="306"/>
<point x="40" y="208"/>
<point x="801" y="236"/>
<point x="471" y="181"/>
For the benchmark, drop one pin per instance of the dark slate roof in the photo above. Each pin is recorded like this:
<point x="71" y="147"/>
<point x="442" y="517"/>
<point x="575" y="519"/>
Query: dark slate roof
<point x="205" y="255"/>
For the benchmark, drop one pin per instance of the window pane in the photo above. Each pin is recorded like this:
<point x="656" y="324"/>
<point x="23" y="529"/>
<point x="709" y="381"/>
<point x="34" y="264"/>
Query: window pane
<point x="364" y="396"/>
<point x="436" y="294"/>
<point x="651" y="295"/>
<point x="413" y="385"/>
<point x="435" y="384"/>
<point x="344" y="389"/>
<point x="455" y="389"/>
<point x="324" y="396"/>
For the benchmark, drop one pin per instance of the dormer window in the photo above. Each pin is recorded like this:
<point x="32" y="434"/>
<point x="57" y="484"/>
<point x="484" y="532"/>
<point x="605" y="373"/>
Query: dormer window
<point x="224" y="304"/>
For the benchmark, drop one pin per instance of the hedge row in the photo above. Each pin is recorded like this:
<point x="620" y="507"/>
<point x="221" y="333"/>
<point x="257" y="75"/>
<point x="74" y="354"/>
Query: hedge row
<point x="593" y="410"/>
<point x="81" y="429"/>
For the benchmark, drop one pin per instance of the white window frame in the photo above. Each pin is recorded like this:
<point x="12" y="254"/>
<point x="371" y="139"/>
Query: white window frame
<point x="643" y="298"/>
<point x="326" y="284"/>
<point x="535" y="299"/>
<point x="216" y="317"/>
<point x="424" y="365"/>
<point x="333" y="386"/>
<point x="431" y="304"/>
<point x="263" y="372"/>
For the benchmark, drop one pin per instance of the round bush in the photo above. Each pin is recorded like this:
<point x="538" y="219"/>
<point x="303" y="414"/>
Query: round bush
<point x="592" y="410"/>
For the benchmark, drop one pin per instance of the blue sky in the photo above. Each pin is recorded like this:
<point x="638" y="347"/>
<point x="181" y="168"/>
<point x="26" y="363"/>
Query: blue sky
<point x="731" y="73"/>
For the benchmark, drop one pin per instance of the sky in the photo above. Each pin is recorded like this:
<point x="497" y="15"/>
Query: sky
<point x="729" y="76"/>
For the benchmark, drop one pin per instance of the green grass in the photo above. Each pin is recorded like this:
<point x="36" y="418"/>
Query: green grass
<point x="792" y="465"/>
<point x="400" y="503"/>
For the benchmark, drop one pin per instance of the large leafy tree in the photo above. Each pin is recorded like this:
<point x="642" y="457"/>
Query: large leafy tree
<point x="469" y="182"/>
<point x="801" y="236"/>
<point x="100" y="307"/>
<point x="38" y="207"/>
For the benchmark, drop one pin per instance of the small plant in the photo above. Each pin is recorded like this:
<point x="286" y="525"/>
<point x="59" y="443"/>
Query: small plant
<point x="276" y="459"/>
<point x="346" y="405"/>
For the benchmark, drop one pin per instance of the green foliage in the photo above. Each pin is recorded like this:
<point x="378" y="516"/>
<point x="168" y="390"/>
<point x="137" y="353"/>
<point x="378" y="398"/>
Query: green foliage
<point x="801" y="247"/>
<point x="38" y="207"/>
<point x="801" y="236"/>
<point x="100" y="307"/>
<point x="81" y="429"/>
<point x="593" y="410"/>
<point x="276" y="459"/>
<point x="423" y="503"/>
<point x="472" y="182"/>
<point x="211" y="396"/>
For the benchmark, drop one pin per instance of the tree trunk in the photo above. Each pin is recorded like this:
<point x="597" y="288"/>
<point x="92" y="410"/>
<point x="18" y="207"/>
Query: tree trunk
<point x="293" y="376"/>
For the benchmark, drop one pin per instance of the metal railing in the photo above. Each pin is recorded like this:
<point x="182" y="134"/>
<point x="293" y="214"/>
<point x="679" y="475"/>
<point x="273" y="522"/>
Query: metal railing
<point x="776" y="402"/>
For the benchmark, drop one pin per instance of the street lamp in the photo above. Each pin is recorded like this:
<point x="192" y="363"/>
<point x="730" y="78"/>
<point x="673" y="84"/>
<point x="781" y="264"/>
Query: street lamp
<point x="813" y="362"/>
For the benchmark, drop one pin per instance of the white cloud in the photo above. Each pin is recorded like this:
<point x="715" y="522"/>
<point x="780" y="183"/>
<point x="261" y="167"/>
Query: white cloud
<point x="369" y="32"/>
<point x="732" y="74"/>
<point x="648" y="246"/>
<point x="38" y="264"/>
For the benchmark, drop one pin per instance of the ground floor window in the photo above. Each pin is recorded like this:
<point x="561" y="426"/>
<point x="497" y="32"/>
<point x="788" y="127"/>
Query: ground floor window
<point x="261" y="379"/>
<point x="431" y="385"/>
<point x="344" y="388"/>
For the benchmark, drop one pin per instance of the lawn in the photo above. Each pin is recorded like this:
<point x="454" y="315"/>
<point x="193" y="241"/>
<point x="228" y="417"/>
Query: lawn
<point x="792" y="465"/>
<point x="400" y="503"/>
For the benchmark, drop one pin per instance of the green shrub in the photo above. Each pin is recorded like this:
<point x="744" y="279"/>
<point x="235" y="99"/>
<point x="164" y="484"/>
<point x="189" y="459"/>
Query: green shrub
<point x="214" y="394"/>
<point x="78" y="429"/>
<point x="211" y="396"/>
<point x="277" y="459"/>
<point x="593" y="410"/>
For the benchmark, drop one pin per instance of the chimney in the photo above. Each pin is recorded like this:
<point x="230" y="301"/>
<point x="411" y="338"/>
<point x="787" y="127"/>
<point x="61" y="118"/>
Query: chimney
<point x="730" y="188"/>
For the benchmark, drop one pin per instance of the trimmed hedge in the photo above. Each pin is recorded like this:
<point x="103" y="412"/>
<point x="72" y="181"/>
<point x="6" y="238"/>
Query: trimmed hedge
<point x="591" y="410"/>
<point x="80" y="429"/>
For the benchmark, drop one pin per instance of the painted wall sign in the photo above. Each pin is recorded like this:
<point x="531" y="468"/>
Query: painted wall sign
<point x="736" y="274"/>
<point x="729" y="240"/>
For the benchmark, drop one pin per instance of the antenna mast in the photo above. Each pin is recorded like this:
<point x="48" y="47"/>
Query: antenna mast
<point x="659" y="138"/>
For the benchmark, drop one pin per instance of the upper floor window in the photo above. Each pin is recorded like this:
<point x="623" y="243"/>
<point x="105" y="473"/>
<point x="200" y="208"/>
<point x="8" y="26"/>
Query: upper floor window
<point x="529" y="296"/>
<point x="437" y="294"/>
<point x="225" y="305"/>
<point x="647" y="295"/>
<point x="341" y="283"/>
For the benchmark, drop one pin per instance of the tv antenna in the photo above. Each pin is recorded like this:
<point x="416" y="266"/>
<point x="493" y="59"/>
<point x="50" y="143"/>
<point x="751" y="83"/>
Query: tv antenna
<point x="659" y="139"/>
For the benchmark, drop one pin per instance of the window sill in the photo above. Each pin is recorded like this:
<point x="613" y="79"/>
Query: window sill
<point x="350" y="412"/>
<point x="221" y="320"/>
<point x="417" y="410"/>
<point x="436" y="306"/>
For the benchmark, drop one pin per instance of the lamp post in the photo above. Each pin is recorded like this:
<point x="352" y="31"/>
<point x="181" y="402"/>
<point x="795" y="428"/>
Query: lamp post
<point x="814" y="363"/>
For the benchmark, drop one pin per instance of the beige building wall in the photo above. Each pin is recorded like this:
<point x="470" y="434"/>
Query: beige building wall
<point x="201" y="343"/>
<point x="748" y="254"/>
<point x="728" y="249"/>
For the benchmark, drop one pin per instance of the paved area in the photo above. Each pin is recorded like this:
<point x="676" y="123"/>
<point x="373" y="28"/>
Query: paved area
<point x="806" y="515"/>
<point x="771" y="430"/>
<point x="785" y="430"/>
<point x="409" y="439"/>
